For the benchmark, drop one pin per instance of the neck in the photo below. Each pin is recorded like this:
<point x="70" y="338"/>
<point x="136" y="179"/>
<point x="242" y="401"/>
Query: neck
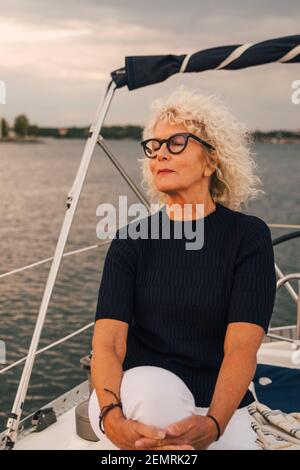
<point x="177" y="209"/>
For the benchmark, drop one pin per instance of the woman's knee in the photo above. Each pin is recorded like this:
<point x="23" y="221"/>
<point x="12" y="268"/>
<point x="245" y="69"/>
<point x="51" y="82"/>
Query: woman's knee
<point x="155" y="396"/>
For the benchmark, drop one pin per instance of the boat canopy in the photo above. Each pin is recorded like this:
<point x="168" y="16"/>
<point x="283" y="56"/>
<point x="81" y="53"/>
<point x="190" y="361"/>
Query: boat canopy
<point x="140" y="71"/>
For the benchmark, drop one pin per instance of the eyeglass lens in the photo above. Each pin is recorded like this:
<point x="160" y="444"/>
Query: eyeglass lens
<point x="175" y="144"/>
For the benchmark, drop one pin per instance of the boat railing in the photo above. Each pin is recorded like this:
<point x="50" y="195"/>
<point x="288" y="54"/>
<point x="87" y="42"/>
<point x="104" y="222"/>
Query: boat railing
<point x="296" y="340"/>
<point x="48" y="347"/>
<point x="47" y="260"/>
<point x="283" y="280"/>
<point x="293" y="338"/>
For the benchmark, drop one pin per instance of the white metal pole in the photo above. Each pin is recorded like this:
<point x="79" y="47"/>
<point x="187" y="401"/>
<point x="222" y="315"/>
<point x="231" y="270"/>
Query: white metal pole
<point x="72" y="201"/>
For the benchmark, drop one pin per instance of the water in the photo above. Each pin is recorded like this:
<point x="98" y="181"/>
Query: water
<point x="35" y="180"/>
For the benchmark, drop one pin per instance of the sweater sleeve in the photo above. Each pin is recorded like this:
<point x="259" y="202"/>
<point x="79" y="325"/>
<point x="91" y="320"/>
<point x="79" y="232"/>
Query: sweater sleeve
<point x="254" y="282"/>
<point x="117" y="286"/>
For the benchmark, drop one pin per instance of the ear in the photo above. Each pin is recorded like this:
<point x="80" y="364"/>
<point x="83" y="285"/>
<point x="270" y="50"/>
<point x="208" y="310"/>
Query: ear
<point x="211" y="164"/>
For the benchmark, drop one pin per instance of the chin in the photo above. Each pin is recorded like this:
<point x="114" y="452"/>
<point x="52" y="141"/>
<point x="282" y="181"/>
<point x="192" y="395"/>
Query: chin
<point x="165" y="188"/>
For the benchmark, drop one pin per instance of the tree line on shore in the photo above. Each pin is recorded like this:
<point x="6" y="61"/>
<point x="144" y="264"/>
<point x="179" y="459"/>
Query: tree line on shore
<point x="23" y="129"/>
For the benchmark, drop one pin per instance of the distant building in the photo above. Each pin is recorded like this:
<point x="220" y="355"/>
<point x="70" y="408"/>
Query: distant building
<point x="62" y="131"/>
<point x="11" y="134"/>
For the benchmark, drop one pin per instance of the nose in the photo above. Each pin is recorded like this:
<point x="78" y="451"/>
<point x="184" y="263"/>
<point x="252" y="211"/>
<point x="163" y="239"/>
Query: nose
<point x="163" y="153"/>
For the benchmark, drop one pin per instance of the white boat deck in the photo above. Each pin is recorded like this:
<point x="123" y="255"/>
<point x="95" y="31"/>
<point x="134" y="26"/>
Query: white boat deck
<point x="62" y="434"/>
<point x="59" y="436"/>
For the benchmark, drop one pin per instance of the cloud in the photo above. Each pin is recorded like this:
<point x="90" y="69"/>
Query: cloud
<point x="56" y="58"/>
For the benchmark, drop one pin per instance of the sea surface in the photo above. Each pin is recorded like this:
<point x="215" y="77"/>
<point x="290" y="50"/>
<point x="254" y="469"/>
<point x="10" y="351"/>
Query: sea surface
<point x="35" y="179"/>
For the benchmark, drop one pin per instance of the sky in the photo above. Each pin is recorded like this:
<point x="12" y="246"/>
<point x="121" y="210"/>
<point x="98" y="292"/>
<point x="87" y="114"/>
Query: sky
<point x="56" y="57"/>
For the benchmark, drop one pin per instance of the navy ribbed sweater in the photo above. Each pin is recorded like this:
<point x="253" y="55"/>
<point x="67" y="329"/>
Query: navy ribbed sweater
<point x="178" y="302"/>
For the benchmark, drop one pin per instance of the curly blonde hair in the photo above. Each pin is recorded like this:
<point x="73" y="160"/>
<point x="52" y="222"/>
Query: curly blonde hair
<point x="233" y="182"/>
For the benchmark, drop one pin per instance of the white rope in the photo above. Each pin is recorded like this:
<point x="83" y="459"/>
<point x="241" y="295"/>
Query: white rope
<point x="291" y="54"/>
<point x="46" y="348"/>
<point x="105" y="242"/>
<point x="46" y="260"/>
<point x="283" y="226"/>
<point x="234" y="55"/>
<point x="184" y="63"/>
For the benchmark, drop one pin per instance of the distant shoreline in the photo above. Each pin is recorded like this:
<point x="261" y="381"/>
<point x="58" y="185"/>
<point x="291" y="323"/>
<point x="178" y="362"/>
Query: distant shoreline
<point x="135" y="133"/>
<point x="19" y="140"/>
<point x="42" y="140"/>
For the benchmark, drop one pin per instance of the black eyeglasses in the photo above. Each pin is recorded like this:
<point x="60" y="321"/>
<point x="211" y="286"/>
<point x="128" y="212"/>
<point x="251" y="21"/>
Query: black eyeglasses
<point x="176" y="143"/>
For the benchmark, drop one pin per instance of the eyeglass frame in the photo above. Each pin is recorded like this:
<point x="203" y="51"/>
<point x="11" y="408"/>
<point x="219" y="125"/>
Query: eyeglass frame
<point x="187" y="135"/>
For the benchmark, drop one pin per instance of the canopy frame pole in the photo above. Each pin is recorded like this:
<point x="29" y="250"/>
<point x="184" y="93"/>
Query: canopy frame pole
<point x="123" y="173"/>
<point x="13" y="421"/>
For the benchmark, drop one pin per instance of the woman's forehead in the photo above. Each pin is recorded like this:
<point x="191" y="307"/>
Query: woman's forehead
<point x="163" y="130"/>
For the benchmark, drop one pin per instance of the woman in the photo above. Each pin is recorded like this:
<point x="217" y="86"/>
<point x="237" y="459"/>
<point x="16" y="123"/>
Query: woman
<point x="177" y="330"/>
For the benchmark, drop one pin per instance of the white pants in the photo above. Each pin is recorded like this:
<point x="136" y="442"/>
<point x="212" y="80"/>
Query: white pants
<point x="158" y="397"/>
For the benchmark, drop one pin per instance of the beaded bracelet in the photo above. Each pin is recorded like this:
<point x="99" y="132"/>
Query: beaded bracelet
<point x="107" y="408"/>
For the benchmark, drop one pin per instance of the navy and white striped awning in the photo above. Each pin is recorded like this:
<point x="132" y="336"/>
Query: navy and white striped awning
<point x="141" y="71"/>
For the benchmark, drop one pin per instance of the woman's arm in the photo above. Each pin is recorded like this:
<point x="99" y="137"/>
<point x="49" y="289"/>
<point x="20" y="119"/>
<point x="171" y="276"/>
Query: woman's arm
<point x="241" y="344"/>
<point x="109" y="349"/>
<point x="249" y="312"/>
<point x="242" y="341"/>
<point x="237" y="370"/>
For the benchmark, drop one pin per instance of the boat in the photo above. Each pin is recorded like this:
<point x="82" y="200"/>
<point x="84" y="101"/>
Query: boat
<point x="63" y="423"/>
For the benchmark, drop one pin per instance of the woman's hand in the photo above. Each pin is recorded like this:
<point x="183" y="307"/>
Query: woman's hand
<point x="125" y="432"/>
<point x="196" y="431"/>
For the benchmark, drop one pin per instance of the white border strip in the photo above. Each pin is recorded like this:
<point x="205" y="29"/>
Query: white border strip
<point x="184" y="63"/>
<point x="234" y="55"/>
<point x="290" y="55"/>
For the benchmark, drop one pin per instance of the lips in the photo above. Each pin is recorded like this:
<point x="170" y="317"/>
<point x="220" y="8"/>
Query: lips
<point x="165" y="171"/>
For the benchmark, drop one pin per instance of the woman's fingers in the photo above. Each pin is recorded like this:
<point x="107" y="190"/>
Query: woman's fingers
<point x="145" y="442"/>
<point x="174" y="447"/>
<point x="152" y="432"/>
